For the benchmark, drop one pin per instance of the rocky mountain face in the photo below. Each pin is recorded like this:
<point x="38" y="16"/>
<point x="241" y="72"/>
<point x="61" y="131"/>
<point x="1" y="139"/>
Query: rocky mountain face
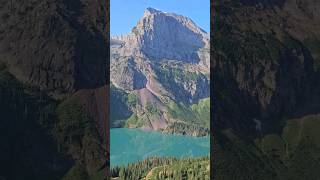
<point x="53" y="57"/>
<point x="57" y="45"/>
<point x="160" y="35"/>
<point x="265" y="69"/>
<point x="162" y="62"/>
<point x="273" y="66"/>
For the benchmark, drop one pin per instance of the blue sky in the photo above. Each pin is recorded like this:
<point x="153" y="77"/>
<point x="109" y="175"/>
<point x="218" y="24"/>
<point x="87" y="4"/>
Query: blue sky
<point x="124" y="14"/>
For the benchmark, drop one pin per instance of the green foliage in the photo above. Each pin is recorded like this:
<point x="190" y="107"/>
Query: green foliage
<point x="78" y="136"/>
<point x="137" y="121"/>
<point x="202" y="111"/>
<point x="181" y="111"/>
<point x="71" y="124"/>
<point x="166" y="74"/>
<point x="152" y="109"/>
<point x="164" y="168"/>
<point x="195" y="115"/>
<point x="120" y="106"/>
<point x="189" y="168"/>
<point x="132" y="100"/>
<point x="133" y="120"/>
<point x="293" y="154"/>
<point x="236" y="159"/>
<point x="187" y="129"/>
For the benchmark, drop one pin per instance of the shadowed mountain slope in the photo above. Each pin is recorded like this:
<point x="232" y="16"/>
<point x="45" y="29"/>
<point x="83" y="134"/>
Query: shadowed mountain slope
<point x="54" y="57"/>
<point x="265" y="73"/>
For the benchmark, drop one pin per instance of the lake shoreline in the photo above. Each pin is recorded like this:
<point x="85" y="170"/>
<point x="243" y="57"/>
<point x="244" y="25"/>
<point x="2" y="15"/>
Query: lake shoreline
<point x="171" y="131"/>
<point x="129" y="145"/>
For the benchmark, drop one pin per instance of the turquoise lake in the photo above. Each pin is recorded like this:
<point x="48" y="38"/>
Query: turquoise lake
<point x="131" y="145"/>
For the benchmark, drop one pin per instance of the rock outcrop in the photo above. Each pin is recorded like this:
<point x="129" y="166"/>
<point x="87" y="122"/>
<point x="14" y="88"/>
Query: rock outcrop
<point x="159" y="35"/>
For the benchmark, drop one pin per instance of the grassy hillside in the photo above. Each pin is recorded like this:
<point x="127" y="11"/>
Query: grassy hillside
<point x="127" y="111"/>
<point x="194" y="119"/>
<point x="293" y="154"/>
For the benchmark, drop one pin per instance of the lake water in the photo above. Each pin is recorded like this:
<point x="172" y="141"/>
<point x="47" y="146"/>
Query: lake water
<point x="131" y="145"/>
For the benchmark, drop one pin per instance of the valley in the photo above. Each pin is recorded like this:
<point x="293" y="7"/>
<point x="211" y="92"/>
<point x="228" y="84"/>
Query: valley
<point x="160" y="99"/>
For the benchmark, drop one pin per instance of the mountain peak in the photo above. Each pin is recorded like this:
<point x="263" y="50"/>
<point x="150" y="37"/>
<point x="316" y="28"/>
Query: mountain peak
<point x="159" y="35"/>
<point x="151" y="10"/>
